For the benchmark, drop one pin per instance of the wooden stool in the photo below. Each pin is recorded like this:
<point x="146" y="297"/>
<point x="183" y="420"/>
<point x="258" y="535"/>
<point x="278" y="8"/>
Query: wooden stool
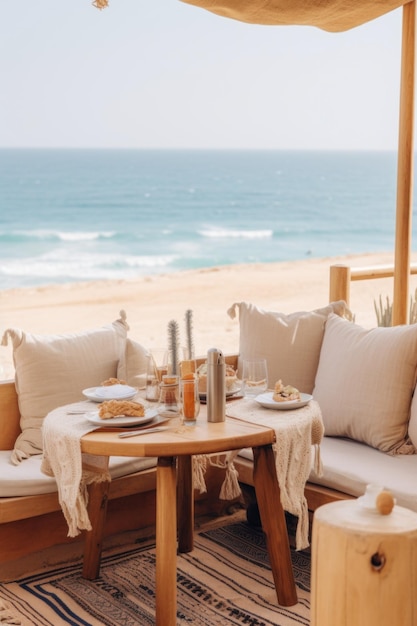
<point x="364" y="566"/>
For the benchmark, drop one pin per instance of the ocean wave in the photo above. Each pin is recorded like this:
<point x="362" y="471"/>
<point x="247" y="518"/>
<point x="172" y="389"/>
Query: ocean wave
<point x="55" y="235"/>
<point x="58" y="265"/>
<point x="233" y="233"/>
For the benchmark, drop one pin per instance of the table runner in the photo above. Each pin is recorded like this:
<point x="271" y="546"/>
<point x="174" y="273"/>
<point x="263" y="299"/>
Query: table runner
<point x="298" y="433"/>
<point x="72" y="469"/>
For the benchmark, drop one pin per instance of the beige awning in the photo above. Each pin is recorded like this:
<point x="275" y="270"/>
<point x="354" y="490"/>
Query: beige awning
<point x="331" y="15"/>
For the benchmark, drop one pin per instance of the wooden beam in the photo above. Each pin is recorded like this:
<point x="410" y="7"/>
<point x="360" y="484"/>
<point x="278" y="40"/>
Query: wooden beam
<point x="405" y="169"/>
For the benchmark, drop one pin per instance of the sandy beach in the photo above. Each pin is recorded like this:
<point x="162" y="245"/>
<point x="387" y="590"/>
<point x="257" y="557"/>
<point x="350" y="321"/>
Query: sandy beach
<point x="151" y="302"/>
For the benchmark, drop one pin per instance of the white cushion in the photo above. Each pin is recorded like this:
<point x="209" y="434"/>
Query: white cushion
<point x="365" y="380"/>
<point x="26" y="479"/>
<point x="133" y="364"/>
<point x="349" y="467"/>
<point x="412" y="424"/>
<point x="289" y="343"/>
<point x="52" y="370"/>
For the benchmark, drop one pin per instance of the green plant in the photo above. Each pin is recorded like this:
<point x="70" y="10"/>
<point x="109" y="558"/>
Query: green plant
<point x="413" y="309"/>
<point x="384" y="311"/>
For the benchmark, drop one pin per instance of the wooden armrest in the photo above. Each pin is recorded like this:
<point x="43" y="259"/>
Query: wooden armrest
<point x="9" y="415"/>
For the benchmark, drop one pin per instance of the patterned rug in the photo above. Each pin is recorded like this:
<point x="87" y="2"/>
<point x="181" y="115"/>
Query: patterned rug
<point x="225" y="580"/>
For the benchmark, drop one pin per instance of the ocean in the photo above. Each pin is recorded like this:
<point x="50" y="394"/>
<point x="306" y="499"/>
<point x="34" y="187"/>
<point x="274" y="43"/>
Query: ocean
<point x="81" y="215"/>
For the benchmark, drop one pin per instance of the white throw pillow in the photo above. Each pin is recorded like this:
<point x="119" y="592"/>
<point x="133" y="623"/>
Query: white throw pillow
<point x="52" y="370"/>
<point x="289" y="343"/>
<point x="365" y="381"/>
<point x="132" y="367"/>
<point x="412" y="425"/>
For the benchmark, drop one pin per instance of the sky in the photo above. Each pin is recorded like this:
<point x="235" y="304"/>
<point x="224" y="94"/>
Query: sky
<point x="165" y="74"/>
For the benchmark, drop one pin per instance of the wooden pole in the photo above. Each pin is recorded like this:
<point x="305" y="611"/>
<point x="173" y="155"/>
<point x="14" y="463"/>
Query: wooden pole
<point x="340" y="277"/>
<point x="405" y="169"/>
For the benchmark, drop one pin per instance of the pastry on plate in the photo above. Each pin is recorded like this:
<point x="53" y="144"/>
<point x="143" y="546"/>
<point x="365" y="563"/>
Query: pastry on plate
<point x="127" y="408"/>
<point x="113" y="381"/>
<point x="284" y="393"/>
<point x="202" y="378"/>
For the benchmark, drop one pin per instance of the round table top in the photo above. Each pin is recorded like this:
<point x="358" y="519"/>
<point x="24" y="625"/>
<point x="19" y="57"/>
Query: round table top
<point x="202" y="438"/>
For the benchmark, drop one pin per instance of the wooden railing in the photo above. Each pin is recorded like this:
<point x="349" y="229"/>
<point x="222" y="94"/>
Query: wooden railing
<point x="342" y="275"/>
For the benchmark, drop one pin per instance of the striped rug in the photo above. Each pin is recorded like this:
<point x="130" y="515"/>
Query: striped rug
<point x="225" y="580"/>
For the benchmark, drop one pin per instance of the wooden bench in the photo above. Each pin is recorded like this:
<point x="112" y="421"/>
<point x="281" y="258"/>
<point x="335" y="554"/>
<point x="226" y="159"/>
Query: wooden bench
<point x="34" y="526"/>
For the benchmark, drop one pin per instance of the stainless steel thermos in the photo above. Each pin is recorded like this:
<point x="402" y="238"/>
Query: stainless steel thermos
<point x="216" y="386"/>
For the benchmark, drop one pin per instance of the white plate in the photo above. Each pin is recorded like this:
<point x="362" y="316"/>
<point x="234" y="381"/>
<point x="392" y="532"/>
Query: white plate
<point x="231" y="392"/>
<point x="93" y="393"/>
<point x="117" y="422"/>
<point x="265" y="400"/>
<point x="109" y="392"/>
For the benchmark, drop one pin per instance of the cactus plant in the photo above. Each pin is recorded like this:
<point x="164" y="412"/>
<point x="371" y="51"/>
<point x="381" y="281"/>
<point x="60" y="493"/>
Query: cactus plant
<point x="384" y="312"/>
<point x="189" y="333"/>
<point x="173" y="345"/>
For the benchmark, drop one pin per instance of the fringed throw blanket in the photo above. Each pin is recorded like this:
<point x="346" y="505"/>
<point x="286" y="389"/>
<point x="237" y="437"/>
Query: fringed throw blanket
<point x="297" y="433"/>
<point x="73" y="470"/>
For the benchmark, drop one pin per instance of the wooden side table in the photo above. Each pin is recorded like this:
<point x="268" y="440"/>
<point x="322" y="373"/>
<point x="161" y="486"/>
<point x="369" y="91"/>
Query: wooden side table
<point x="364" y="567"/>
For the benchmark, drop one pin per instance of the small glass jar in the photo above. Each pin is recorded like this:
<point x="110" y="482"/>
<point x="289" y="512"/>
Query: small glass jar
<point x="190" y="399"/>
<point x="169" y="397"/>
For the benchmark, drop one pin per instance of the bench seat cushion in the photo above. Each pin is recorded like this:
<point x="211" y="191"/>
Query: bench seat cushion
<point x="26" y="479"/>
<point x="349" y="466"/>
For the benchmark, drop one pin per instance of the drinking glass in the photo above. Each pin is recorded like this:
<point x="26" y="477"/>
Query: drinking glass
<point x="255" y="377"/>
<point x="156" y="368"/>
<point x="169" y="397"/>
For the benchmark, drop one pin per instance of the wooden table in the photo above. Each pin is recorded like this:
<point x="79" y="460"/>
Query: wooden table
<point x="179" y="444"/>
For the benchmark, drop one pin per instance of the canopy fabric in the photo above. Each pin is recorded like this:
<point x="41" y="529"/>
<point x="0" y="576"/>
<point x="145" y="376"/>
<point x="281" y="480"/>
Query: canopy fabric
<point x="330" y="15"/>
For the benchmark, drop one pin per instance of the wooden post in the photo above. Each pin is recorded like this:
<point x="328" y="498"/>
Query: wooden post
<point x="339" y="283"/>
<point x="363" y="569"/>
<point x="405" y="169"/>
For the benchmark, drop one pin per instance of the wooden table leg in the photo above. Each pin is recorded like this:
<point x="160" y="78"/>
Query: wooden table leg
<point x="273" y="524"/>
<point x="185" y="507"/>
<point x="166" y="542"/>
<point x="93" y="542"/>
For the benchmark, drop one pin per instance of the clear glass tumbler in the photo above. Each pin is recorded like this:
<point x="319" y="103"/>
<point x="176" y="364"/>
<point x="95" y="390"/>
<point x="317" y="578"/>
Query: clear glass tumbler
<point x="254" y="377"/>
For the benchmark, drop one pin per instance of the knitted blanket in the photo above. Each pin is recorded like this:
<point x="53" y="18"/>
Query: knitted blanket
<point x="73" y="470"/>
<point x="298" y="433"/>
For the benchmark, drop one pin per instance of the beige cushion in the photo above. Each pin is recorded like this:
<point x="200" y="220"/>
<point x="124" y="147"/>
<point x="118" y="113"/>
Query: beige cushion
<point x="133" y="365"/>
<point x="52" y="370"/>
<point x="349" y="466"/>
<point x="412" y="425"/>
<point x="27" y="479"/>
<point x="365" y="380"/>
<point x="290" y="343"/>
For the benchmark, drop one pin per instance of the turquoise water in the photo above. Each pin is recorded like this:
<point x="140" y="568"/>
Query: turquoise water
<point x="71" y="215"/>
